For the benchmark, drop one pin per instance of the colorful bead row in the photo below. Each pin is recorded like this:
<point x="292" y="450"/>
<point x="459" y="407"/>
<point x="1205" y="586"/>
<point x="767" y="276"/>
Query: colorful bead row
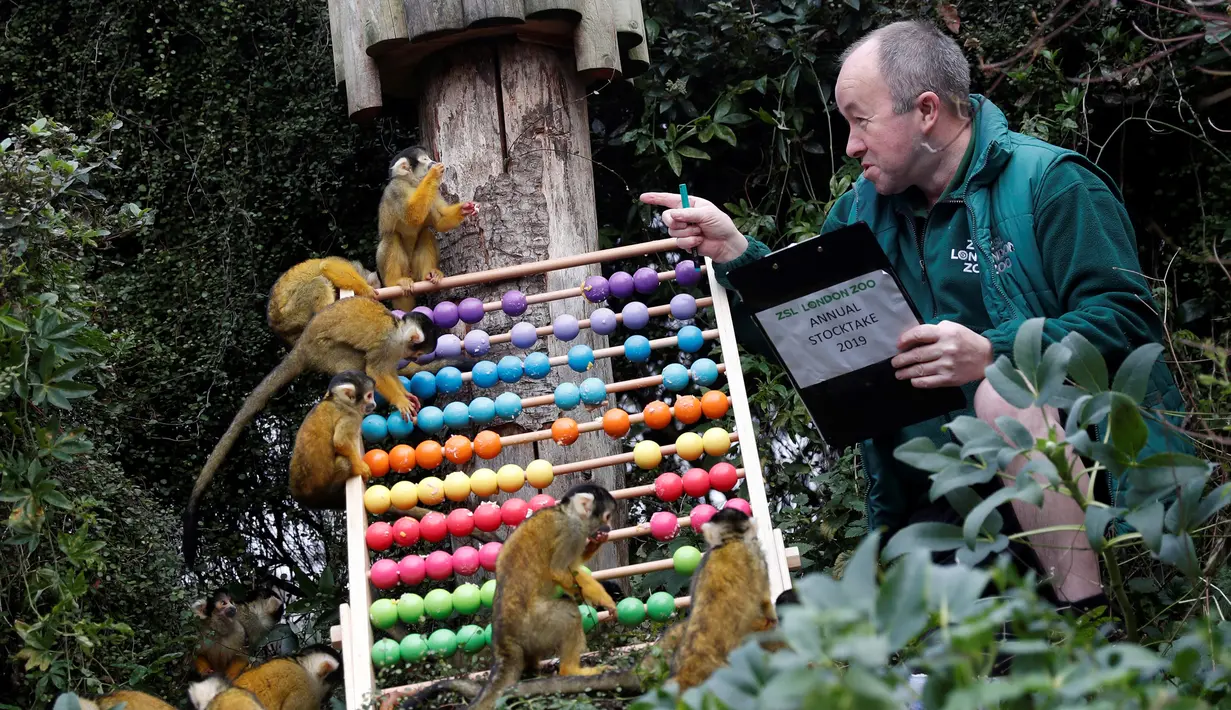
<point x="460" y="522"/>
<point x="438" y="565"/>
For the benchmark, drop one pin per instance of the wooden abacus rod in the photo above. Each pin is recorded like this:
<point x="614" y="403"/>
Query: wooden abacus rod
<point x="546" y="330"/>
<point x="648" y="489"/>
<point x="615" y="459"/>
<point x="642" y="529"/>
<point x="506" y="273"/>
<point x="630" y="570"/>
<point x="561" y="294"/>
<point x="680" y="603"/>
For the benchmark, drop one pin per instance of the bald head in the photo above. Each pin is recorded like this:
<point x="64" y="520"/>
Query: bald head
<point x="913" y="57"/>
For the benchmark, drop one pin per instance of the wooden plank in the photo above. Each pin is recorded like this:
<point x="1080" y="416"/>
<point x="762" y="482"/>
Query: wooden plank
<point x="426" y="19"/>
<point x="595" y="46"/>
<point x="335" y="41"/>
<point x="363" y="681"/>
<point x="628" y="23"/>
<point x="349" y="666"/>
<point x="485" y="13"/>
<point x="363" y="97"/>
<point x="384" y="26"/>
<point x="554" y="8"/>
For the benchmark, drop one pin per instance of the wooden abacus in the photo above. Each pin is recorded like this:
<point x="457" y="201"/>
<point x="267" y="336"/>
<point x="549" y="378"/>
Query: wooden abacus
<point x="354" y="634"/>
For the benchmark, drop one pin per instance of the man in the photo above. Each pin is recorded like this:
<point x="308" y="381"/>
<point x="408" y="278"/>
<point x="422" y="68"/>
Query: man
<point x="986" y="228"/>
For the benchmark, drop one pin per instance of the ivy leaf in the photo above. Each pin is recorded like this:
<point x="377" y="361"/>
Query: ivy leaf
<point x="689" y="152"/>
<point x="1214" y="502"/>
<point x="929" y="536"/>
<point x="1134" y="374"/>
<point x="1087" y="367"/>
<point x="1016" y="431"/>
<point x="1179" y="551"/>
<point x="901" y="605"/>
<point x="1051" y="372"/>
<point x="967" y="475"/>
<point x="921" y="453"/>
<point x="1028" y="347"/>
<point x="13" y="324"/>
<point x="724" y="133"/>
<point x="1026" y="490"/>
<point x="673" y="160"/>
<point x="968" y="428"/>
<point x="1009" y="384"/>
<point x="1097" y="518"/>
<point x="1128" y="427"/>
<point x="1160" y="474"/>
<point x="706" y="133"/>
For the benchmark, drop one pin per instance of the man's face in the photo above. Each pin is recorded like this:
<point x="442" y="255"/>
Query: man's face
<point x="885" y="144"/>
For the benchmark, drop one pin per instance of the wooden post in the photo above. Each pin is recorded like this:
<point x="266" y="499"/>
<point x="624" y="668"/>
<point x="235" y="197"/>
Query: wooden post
<point x="510" y="122"/>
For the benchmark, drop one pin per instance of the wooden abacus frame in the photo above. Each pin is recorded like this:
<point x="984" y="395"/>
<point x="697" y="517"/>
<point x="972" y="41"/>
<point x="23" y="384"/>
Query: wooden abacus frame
<point x="353" y="634"/>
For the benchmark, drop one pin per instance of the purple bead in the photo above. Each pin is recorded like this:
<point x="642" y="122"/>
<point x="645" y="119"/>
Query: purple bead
<point x="603" y="321"/>
<point x="425" y="358"/>
<point x="683" y="306"/>
<point x="621" y="284"/>
<point x="565" y="327"/>
<point x="399" y="314"/>
<point x="645" y="280"/>
<point x="636" y="315"/>
<point x="522" y="335"/>
<point x="448" y="345"/>
<point x="687" y="273"/>
<point x="424" y="310"/>
<point x="595" y="289"/>
<point x="476" y="343"/>
<point x="470" y="310"/>
<point x="513" y="302"/>
<point x="445" y="314"/>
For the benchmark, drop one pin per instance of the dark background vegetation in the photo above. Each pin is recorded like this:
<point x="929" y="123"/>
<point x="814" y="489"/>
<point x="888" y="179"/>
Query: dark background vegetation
<point x="225" y="123"/>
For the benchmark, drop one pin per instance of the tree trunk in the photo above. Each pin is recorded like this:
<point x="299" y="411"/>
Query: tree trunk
<point x="510" y="122"/>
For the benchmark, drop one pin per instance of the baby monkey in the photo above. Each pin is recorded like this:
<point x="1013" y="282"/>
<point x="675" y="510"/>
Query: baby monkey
<point x="328" y="449"/>
<point x="529" y="623"/>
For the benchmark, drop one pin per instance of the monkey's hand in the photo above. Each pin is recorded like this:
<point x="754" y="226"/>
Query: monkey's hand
<point x="434" y="275"/>
<point x="565" y="580"/>
<point x="469" y="208"/>
<point x="408" y="408"/>
<point x="593" y="592"/>
<point x="360" y="468"/>
<point x="406" y="284"/>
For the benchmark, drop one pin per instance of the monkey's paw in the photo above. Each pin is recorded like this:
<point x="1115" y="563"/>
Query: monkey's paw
<point x="436" y="172"/>
<point x="363" y="471"/>
<point x="582" y="670"/>
<point x="406" y="283"/>
<point x="469" y="208"/>
<point x="435" y="275"/>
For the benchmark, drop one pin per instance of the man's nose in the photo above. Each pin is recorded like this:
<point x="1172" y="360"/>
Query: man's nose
<point x="855" y="147"/>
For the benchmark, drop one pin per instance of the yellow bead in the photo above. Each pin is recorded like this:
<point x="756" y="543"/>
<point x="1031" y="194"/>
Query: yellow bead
<point x="405" y="495"/>
<point x="483" y="482"/>
<point x="431" y="491"/>
<point x="539" y="473"/>
<point x="647" y="454"/>
<point x="689" y="446"/>
<point x="511" y="478"/>
<point x="376" y="499"/>
<point x="716" y="441"/>
<point x="457" y="486"/>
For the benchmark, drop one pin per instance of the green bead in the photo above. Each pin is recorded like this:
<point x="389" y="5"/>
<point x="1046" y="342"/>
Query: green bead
<point x="442" y="642"/>
<point x="439" y="604"/>
<point x="413" y="648"/>
<point x="589" y="617"/>
<point x="630" y="611"/>
<point x="686" y="559"/>
<point x="410" y="608"/>
<point x="385" y="652"/>
<point x="470" y="638"/>
<point x="661" y="605"/>
<point x="487" y="634"/>
<point x="587" y="570"/>
<point x="467" y="599"/>
<point x="558" y="593"/>
<point x="383" y="613"/>
<point x="488" y="593"/>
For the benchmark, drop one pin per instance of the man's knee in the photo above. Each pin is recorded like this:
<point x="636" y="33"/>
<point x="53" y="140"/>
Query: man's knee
<point x="989" y="405"/>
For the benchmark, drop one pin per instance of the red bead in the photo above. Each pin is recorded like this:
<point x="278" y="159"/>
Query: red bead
<point x="465" y="561"/>
<point x="723" y="476"/>
<point x="541" y="501"/>
<point x="379" y="536"/>
<point x="696" y="482"/>
<point x="664" y="525"/>
<point x="487" y="516"/>
<point x="460" y="522"/>
<point x="412" y="569"/>
<point x="668" y="487"/>
<point x="406" y="531"/>
<point x="740" y="504"/>
<point x="513" y="511"/>
<point x="701" y="515"/>
<point x="439" y="565"/>
<point x="488" y="555"/>
<point x="433" y="527"/>
<point x="384" y="574"/>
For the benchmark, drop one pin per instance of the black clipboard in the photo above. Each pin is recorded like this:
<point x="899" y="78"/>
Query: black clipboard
<point x="861" y="403"/>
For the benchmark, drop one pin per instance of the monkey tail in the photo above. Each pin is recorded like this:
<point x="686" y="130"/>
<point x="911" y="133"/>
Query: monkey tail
<point x="282" y="375"/>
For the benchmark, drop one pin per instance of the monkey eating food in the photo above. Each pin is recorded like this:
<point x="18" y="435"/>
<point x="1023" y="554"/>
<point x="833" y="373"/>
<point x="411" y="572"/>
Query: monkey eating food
<point x="222" y="645"/>
<point x="328" y="447"/>
<point x="308" y="287"/>
<point x="350" y="334"/>
<point x="410" y="208"/>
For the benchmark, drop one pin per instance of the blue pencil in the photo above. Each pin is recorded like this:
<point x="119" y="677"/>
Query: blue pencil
<point x="684" y="203"/>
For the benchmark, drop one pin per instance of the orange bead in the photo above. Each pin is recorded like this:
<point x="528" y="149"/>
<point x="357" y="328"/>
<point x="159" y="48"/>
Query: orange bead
<point x="657" y="415"/>
<point x="487" y="444"/>
<point x="401" y="458"/>
<point x="714" y="403"/>
<point x="615" y="423"/>
<point x="564" y="431"/>
<point x="457" y="449"/>
<point x="687" y="409"/>
<point x="428" y="454"/>
<point x="378" y="461"/>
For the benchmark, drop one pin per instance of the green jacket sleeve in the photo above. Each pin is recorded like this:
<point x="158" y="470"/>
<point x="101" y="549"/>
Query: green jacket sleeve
<point x="1090" y="261"/>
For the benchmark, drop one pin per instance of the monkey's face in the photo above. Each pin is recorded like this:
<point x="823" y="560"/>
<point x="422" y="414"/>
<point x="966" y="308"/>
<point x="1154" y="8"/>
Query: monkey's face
<point x="356" y="393"/>
<point x="420" y="335"/>
<point x="224" y="607"/>
<point x="411" y="164"/>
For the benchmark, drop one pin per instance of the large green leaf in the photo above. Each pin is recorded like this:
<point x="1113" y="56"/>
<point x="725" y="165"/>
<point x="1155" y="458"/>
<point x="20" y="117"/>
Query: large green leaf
<point x="1009" y="384"/>
<point x="1097" y="518"/>
<point x="922" y="453"/>
<point x="929" y="536"/>
<point x="1028" y="348"/>
<point x="1017" y="432"/>
<point x="1050" y="377"/>
<point x="1148" y="521"/>
<point x="1025" y="490"/>
<point x="1161" y="474"/>
<point x="901" y="605"/>
<point x="1214" y="502"/>
<point x="1179" y="551"/>
<point x="1133" y="377"/>
<point x="1128" y="427"/>
<point x="1086" y="367"/>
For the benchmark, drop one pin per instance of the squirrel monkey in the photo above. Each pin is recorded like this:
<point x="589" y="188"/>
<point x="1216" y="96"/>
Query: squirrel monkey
<point x="528" y="622"/>
<point x="132" y="700"/>
<point x="298" y="682"/>
<point x="307" y="287"/>
<point x="222" y="646"/>
<point x="410" y="208"/>
<point x="328" y="448"/>
<point x="350" y="334"/>
<point x="217" y="693"/>
<point x="730" y="598"/>
<point x="260" y="613"/>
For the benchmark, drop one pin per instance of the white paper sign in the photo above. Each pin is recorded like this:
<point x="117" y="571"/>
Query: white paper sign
<point x="839" y="329"/>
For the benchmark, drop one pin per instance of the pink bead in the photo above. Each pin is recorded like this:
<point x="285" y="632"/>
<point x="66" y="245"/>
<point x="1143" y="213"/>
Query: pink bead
<point x="412" y="569"/>
<point x="740" y="504"/>
<point x="460" y="522"/>
<point x="541" y="501"/>
<point x="696" y="482"/>
<point x="439" y="565"/>
<point x="701" y="515"/>
<point x="513" y="511"/>
<point x="465" y="561"/>
<point x="664" y="525"/>
<point x="384" y="574"/>
<point x="487" y="517"/>
<point x="406" y="531"/>
<point x="379" y="536"/>
<point x="433" y="527"/>
<point x="488" y="555"/>
<point x="723" y="476"/>
<point x="668" y="487"/>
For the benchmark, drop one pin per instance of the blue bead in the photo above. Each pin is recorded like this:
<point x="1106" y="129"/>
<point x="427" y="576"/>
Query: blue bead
<point x="565" y="327"/>
<point x="448" y="379"/>
<point x="690" y="338"/>
<point x="675" y="377"/>
<point x="484" y="374"/>
<point x="398" y="428"/>
<point x="705" y="372"/>
<point x="380" y="400"/>
<point x="567" y="396"/>
<point x="423" y="385"/>
<point x="580" y="358"/>
<point x="482" y="410"/>
<point x="374" y="427"/>
<point x="405" y="382"/>
<point x="457" y="415"/>
<point x="523" y="335"/>
<point x="593" y="391"/>
<point x="637" y="348"/>
<point x="509" y="369"/>
<point x="430" y="419"/>
<point x="537" y="365"/>
<point x="508" y="405"/>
